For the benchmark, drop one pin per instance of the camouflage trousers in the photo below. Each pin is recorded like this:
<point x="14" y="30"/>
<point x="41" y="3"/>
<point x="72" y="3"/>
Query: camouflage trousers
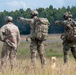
<point x="7" y="52"/>
<point x="37" y="46"/>
<point x="66" y="48"/>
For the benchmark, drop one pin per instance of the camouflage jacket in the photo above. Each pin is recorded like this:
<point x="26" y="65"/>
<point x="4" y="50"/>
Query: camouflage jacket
<point x="68" y="27"/>
<point x="10" y="34"/>
<point x="68" y="24"/>
<point x="68" y="31"/>
<point x="31" y="22"/>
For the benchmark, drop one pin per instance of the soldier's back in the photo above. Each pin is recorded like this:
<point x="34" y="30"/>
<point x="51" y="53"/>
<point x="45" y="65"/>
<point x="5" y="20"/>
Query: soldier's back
<point x="11" y="32"/>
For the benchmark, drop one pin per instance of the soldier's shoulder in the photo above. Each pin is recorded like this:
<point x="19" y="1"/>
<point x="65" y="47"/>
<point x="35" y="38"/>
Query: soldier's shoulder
<point x="12" y="25"/>
<point x="4" y="26"/>
<point x="73" y="20"/>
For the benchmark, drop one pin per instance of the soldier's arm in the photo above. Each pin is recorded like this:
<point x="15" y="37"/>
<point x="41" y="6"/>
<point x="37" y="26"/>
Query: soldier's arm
<point x="18" y="37"/>
<point x="1" y="36"/>
<point x="58" y="22"/>
<point x="25" y="20"/>
<point x="2" y="33"/>
<point x="28" y="38"/>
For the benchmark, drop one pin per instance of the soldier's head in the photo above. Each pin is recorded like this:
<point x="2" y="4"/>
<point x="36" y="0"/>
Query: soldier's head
<point x="8" y="19"/>
<point x="34" y="13"/>
<point x="67" y="15"/>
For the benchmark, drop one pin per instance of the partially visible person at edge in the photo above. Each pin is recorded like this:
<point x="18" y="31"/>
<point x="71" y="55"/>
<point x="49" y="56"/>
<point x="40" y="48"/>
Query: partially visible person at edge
<point x="35" y="43"/>
<point x="67" y="36"/>
<point x="10" y="35"/>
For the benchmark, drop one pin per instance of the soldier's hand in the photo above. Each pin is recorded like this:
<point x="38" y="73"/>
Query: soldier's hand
<point x="57" y="22"/>
<point x="20" y="18"/>
<point x="63" y="36"/>
<point x="27" y="39"/>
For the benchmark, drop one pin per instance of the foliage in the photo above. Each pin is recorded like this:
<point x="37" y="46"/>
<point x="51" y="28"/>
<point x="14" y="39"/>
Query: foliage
<point x="52" y="14"/>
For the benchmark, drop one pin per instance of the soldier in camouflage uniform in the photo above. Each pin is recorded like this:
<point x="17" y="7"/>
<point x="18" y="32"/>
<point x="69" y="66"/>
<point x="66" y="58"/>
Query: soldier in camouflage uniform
<point x="10" y="35"/>
<point x="35" y="43"/>
<point x="68" y="23"/>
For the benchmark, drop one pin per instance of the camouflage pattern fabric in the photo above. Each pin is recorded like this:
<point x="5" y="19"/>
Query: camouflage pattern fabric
<point x="70" y="29"/>
<point x="11" y="33"/>
<point x="67" y="43"/>
<point x="32" y="26"/>
<point x="66" y="48"/>
<point x="69" y="35"/>
<point x="41" y="28"/>
<point x="35" y="44"/>
<point x="8" y="52"/>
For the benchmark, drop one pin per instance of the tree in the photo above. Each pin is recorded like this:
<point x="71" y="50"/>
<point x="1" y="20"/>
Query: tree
<point x="52" y="14"/>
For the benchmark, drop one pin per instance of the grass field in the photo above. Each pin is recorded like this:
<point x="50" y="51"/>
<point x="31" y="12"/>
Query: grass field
<point x="53" y="47"/>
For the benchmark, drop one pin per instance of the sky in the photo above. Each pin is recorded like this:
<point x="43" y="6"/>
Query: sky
<point x="12" y="5"/>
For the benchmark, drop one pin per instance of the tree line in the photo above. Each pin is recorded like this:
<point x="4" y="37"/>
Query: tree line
<point x="52" y="14"/>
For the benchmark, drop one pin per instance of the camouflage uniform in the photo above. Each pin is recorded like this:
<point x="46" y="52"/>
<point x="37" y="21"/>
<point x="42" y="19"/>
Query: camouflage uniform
<point x="35" y="43"/>
<point x="68" y="44"/>
<point x="10" y="35"/>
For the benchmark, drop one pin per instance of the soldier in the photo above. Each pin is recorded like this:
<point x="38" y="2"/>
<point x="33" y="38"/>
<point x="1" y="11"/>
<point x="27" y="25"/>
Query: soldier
<point x="10" y="35"/>
<point x="36" y="44"/>
<point x="69" y="35"/>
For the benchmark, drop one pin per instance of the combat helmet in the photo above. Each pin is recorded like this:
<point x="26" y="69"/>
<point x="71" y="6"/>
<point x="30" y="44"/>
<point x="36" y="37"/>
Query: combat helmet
<point x="9" y="18"/>
<point x="34" y="12"/>
<point x="67" y="14"/>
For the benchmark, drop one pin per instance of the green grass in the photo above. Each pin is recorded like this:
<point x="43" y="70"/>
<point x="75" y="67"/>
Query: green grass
<point x="52" y="48"/>
<point x="23" y="67"/>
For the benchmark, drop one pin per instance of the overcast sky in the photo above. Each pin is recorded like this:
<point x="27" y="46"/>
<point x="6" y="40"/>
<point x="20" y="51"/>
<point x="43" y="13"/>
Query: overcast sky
<point x="11" y="5"/>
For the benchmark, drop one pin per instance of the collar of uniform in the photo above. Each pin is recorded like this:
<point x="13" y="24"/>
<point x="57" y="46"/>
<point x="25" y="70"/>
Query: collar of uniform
<point x="9" y="23"/>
